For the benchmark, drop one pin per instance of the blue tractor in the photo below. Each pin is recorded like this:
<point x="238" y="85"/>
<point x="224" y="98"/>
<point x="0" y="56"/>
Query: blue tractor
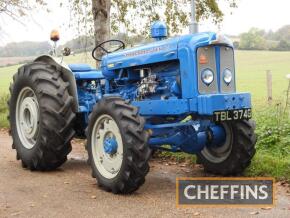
<point x="177" y="94"/>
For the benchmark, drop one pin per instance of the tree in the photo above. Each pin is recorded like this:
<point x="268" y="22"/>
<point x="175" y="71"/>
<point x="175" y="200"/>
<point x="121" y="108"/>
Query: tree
<point x="135" y="16"/>
<point x="253" y="40"/>
<point x="283" y="34"/>
<point x="16" y="9"/>
<point x="283" y="45"/>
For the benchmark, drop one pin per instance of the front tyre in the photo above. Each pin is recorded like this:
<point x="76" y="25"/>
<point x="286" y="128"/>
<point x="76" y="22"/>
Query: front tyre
<point x="236" y="153"/>
<point x="117" y="146"/>
<point x="41" y="116"/>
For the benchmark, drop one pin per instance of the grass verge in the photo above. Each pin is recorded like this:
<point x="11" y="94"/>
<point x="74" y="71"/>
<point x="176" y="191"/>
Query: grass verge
<point x="4" y="111"/>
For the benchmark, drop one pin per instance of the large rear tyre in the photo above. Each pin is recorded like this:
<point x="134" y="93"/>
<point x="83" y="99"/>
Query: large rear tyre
<point x="40" y="116"/>
<point x="235" y="155"/>
<point x="117" y="146"/>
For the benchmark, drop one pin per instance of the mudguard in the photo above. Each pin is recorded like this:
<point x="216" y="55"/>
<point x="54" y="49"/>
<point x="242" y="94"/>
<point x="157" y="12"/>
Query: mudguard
<point x="67" y="76"/>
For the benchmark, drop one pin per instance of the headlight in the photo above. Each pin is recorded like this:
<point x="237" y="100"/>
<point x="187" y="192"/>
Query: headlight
<point x="228" y="76"/>
<point x="207" y="76"/>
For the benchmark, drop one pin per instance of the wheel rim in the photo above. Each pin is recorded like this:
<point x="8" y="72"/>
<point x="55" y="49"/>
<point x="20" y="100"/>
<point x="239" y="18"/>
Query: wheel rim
<point x="107" y="146"/>
<point x="27" y="117"/>
<point x="217" y="154"/>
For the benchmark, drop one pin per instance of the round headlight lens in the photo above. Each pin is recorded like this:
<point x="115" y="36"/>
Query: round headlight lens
<point x="228" y="76"/>
<point x="207" y="76"/>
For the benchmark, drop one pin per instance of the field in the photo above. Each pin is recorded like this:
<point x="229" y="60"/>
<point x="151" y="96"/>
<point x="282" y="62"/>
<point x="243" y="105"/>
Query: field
<point x="9" y="61"/>
<point x="273" y="127"/>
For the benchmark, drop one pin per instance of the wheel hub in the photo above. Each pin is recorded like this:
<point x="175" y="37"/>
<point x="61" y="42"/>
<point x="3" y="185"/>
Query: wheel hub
<point x="110" y="145"/>
<point x="27" y="117"/>
<point x="221" y="147"/>
<point x="107" y="146"/>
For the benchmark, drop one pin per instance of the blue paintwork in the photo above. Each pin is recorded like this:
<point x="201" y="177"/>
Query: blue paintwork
<point x="207" y="104"/>
<point x="219" y="135"/>
<point x="79" y="67"/>
<point x="158" y="30"/>
<point x="174" y="64"/>
<point x="84" y="71"/>
<point x="110" y="145"/>
<point x="156" y="52"/>
<point x="189" y="137"/>
<point x="90" y="75"/>
<point x="202" y="105"/>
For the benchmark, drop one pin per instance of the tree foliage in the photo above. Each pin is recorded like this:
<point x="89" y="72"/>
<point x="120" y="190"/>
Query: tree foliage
<point x="283" y="34"/>
<point x="135" y="16"/>
<point x="257" y="39"/>
<point x="253" y="40"/>
<point x="24" y="49"/>
<point x="16" y="9"/>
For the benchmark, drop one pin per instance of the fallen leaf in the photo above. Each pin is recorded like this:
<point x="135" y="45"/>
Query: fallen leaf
<point x="266" y="208"/>
<point x="186" y="171"/>
<point x="198" y="166"/>
<point x="254" y="213"/>
<point x="15" y="214"/>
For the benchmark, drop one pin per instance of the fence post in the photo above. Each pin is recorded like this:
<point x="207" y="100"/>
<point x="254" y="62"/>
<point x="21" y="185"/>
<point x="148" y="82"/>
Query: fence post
<point x="269" y="86"/>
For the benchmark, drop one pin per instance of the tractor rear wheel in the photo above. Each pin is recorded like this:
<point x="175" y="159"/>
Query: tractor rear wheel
<point x="40" y="116"/>
<point x="236" y="153"/>
<point x="117" y="146"/>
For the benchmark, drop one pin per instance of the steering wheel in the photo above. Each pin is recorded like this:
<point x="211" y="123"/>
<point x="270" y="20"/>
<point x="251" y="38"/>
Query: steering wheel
<point x="103" y="50"/>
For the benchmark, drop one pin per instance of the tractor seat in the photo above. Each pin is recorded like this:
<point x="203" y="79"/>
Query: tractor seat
<point x="84" y="71"/>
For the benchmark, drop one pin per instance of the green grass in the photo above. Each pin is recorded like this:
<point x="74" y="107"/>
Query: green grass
<point x="251" y="69"/>
<point x="3" y="111"/>
<point x="273" y="147"/>
<point x="268" y="164"/>
<point x="6" y="74"/>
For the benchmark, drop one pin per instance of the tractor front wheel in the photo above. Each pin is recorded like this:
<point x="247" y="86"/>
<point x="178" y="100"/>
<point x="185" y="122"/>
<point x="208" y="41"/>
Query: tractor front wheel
<point x="235" y="154"/>
<point x="117" y="146"/>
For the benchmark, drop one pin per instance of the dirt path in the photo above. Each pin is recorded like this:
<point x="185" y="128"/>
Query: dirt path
<point x="71" y="192"/>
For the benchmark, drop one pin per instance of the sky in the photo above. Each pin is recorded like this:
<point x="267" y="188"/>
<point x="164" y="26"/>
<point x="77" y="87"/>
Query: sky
<point x="263" y="14"/>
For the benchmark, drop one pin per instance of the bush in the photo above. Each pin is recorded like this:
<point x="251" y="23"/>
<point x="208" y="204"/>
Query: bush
<point x="4" y="111"/>
<point x="273" y="146"/>
<point x="273" y="129"/>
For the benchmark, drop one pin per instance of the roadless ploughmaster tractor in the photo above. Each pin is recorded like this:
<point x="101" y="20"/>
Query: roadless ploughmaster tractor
<point x="176" y="94"/>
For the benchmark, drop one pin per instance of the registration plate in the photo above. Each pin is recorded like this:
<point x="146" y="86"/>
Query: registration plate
<point x="231" y="115"/>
